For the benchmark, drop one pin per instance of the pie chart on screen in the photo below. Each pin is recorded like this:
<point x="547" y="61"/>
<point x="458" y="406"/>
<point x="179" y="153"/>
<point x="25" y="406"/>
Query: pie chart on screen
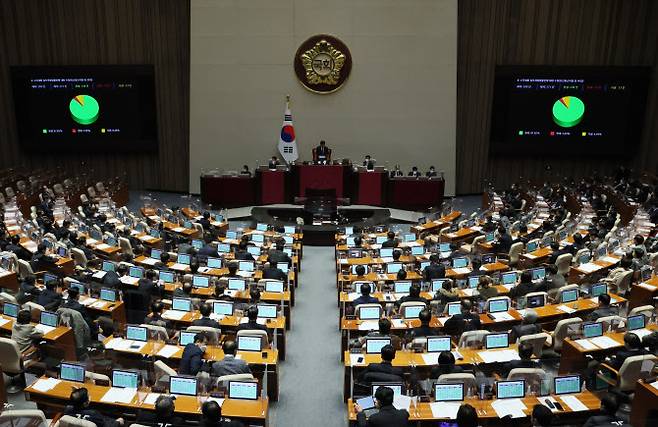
<point x="84" y="109"/>
<point x="568" y="111"/>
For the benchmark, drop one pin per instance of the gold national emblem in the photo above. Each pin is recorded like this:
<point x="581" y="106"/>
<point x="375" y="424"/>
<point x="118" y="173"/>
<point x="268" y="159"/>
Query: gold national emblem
<point x="323" y="63"/>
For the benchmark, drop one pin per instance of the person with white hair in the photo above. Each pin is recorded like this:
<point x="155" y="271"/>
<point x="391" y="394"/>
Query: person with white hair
<point x="528" y="327"/>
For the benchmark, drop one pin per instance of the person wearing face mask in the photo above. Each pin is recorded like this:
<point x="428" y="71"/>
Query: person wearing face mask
<point x="192" y="359"/>
<point x="431" y="173"/>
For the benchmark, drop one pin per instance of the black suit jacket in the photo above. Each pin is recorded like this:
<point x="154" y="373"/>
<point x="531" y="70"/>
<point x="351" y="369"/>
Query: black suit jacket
<point x="274" y="273"/>
<point x="206" y="321"/>
<point x="434" y="271"/>
<point x="278" y="256"/>
<point x="623" y="354"/>
<point x="387" y="416"/>
<point x="382" y="368"/>
<point x="460" y="323"/>
<point x="251" y="326"/>
<point x="20" y="252"/>
<point x="513" y="364"/>
<point x="390" y="243"/>
<point x="244" y="256"/>
<point x="49" y="299"/>
<point x="504" y="243"/>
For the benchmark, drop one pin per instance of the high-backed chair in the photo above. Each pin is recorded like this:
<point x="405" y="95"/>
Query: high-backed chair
<point x="255" y="333"/>
<point x="156" y="332"/>
<point x="163" y="371"/>
<point x="213" y="334"/>
<point x="532" y="376"/>
<point x="71" y="421"/>
<point x="410" y="305"/>
<point x="24" y="269"/>
<point x="470" y="385"/>
<point x="125" y="246"/>
<point x="611" y="323"/>
<point x="622" y="282"/>
<point x="79" y="257"/>
<point x="514" y="252"/>
<point x="561" y="331"/>
<point x="472" y="338"/>
<point x="488" y="302"/>
<point x="647" y="310"/>
<point x="563" y="262"/>
<point x="23" y="417"/>
<point x="359" y="307"/>
<point x="97" y="378"/>
<point x="224" y="379"/>
<point x="537" y="341"/>
<point x="629" y="373"/>
<point x="12" y="364"/>
<point x="6" y="297"/>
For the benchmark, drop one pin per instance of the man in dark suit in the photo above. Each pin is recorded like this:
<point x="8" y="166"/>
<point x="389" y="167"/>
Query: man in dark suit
<point x="28" y="291"/>
<point x="322" y="153"/>
<point x="205" y="320"/>
<point x="414" y="296"/>
<point x="208" y="249"/>
<point x="424" y="330"/>
<point x="632" y="347"/>
<point x="272" y="272"/>
<point x="192" y="358"/>
<point x="365" y="297"/>
<point x="391" y="241"/>
<point x="252" y="324"/>
<point x="556" y="252"/>
<point x="415" y="173"/>
<point x="504" y="242"/>
<point x="387" y="416"/>
<point x="435" y="270"/>
<point x="431" y="173"/>
<point x="524" y="287"/>
<point x="528" y="327"/>
<point x="79" y="408"/>
<point x="147" y="286"/>
<point x="40" y="261"/>
<point x="73" y="303"/>
<point x="49" y="297"/>
<point x="605" y="309"/>
<point x="241" y="254"/>
<point x="229" y="365"/>
<point x="385" y="367"/>
<point x="205" y="222"/>
<point x="369" y="163"/>
<point x="164" y="415"/>
<point x="277" y="255"/>
<point x="465" y="321"/>
<point x="20" y="251"/>
<point x="607" y="417"/>
<point x="447" y="365"/>
<point x="273" y="163"/>
<point x="525" y="353"/>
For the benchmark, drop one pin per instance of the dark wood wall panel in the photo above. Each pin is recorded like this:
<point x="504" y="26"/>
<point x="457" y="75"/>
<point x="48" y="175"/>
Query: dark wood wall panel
<point x="546" y="32"/>
<point x="89" y="32"/>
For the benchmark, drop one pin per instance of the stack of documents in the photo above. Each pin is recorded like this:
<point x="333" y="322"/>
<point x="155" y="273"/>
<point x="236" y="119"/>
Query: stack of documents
<point x="513" y="407"/>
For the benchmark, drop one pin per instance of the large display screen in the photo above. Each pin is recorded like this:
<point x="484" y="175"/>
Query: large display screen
<point x="566" y="111"/>
<point x="85" y="108"/>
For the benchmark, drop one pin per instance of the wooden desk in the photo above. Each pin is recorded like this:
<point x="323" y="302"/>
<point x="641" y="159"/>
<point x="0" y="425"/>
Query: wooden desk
<point x="644" y="404"/>
<point x="376" y="277"/>
<point x="580" y="275"/>
<point x="421" y="414"/>
<point x="461" y="235"/>
<point x="643" y="294"/>
<point x="221" y="227"/>
<point x="54" y="400"/>
<point x="9" y="280"/>
<point x="436" y="225"/>
<point x="61" y="337"/>
<point x="214" y="353"/>
<point x="114" y="310"/>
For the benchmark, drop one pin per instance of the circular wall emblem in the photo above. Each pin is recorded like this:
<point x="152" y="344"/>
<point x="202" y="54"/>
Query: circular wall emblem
<point x="323" y="64"/>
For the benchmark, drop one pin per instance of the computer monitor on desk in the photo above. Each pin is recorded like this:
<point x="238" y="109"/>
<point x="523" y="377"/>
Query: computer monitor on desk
<point x="125" y="379"/>
<point x="393" y="267"/>
<point x="452" y="392"/>
<point x="567" y="385"/>
<point x="438" y="344"/>
<point x="569" y="295"/>
<point x="398" y="388"/>
<point x="374" y="345"/>
<point x="184" y="386"/>
<point x="72" y="372"/>
<point x="510" y="389"/>
<point x="493" y="341"/>
<point x="498" y="305"/>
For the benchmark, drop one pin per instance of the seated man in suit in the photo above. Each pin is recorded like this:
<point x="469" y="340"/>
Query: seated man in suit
<point x="233" y="269"/>
<point x="241" y="254"/>
<point x="49" y="297"/>
<point x="229" y="365"/>
<point x="528" y="327"/>
<point x="605" y="309"/>
<point x="415" y="172"/>
<point x="525" y="353"/>
<point x="27" y="290"/>
<point x="431" y="173"/>
<point x="148" y="287"/>
<point x="271" y="271"/>
<point x="278" y="255"/>
<point x="632" y="347"/>
<point x="322" y="153"/>
<point x="446" y="365"/>
<point x="252" y="324"/>
<point x="386" y="368"/>
<point x="205" y="222"/>
<point x="206" y="310"/>
<point x="608" y="416"/>
<point x="209" y="249"/>
<point x="273" y="163"/>
<point x="16" y="247"/>
<point x="524" y="287"/>
<point x="73" y="303"/>
<point x="41" y="261"/>
<point x="424" y="330"/>
<point x="369" y="162"/>
<point x="192" y="358"/>
<point x="465" y="321"/>
<point x="365" y="297"/>
<point x="79" y="408"/>
<point x="387" y="416"/>
<point x="414" y="296"/>
<point x="164" y="415"/>
<point x="155" y="317"/>
<point x="391" y="241"/>
<point x="383" y="332"/>
<point x="504" y="241"/>
<point x="435" y="270"/>
<point x="396" y="172"/>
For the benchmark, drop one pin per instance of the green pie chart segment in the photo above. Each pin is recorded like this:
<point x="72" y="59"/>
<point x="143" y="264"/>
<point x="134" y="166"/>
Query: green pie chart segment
<point x="568" y="111"/>
<point x="84" y="109"/>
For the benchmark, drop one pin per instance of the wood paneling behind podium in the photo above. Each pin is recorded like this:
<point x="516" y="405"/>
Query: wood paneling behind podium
<point x="71" y="32"/>
<point x="552" y="32"/>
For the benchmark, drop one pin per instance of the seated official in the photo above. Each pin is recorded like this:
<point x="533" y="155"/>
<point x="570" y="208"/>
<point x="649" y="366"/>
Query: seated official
<point x="446" y="365"/>
<point x="365" y="297"/>
<point x="241" y="254"/>
<point x="384" y="331"/>
<point x="396" y="172"/>
<point x="608" y="416"/>
<point x="229" y="365"/>
<point x="16" y="247"/>
<point x="384" y="371"/>
<point x="164" y="415"/>
<point x="205" y="223"/>
<point x="467" y="416"/>
<point x="245" y="171"/>
<point x="369" y="162"/>
<point x="552" y="282"/>
<point x="391" y="241"/>
<point x="415" y="172"/>
<point x="322" y="153"/>
<point x="464" y="321"/>
<point x="604" y="309"/>
<point x="486" y="289"/>
<point x="23" y="332"/>
<point x="49" y="298"/>
<point x="206" y="310"/>
<point x="192" y="359"/>
<point x="524" y="287"/>
<point x="431" y="173"/>
<point x="273" y="163"/>
<point x="541" y="416"/>
<point x="387" y="416"/>
<point x="436" y="270"/>
<point x="27" y="290"/>
<point x="41" y="261"/>
<point x="504" y="241"/>
<point x="414" y="296"/>
<point x="447" y="293"/>
<point x="632" y="347"/>
<point x="209" y="249"/>
<point x="73" y="303"/>
<point x="278" y="255"/>
<point x="271" y="271"/>
<point x="525" y="353"/>
<point x="79" y="408"/>
<point x="155" y="317"/>
<point x="424" y="330"/>
<point x="148" y="287"/>
<point x="529" y="326"/>
<point x="211" y="416"/>
<point x="252" y="324"/>
<point x="233" y="270"/>
<point x="360" y="271"/>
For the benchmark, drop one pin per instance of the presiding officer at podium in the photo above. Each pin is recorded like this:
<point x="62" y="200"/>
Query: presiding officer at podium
<point x="322" y="154"/>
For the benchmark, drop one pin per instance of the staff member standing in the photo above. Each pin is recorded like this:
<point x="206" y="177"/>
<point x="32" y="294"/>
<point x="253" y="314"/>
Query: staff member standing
<point x="322" y="153"/>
